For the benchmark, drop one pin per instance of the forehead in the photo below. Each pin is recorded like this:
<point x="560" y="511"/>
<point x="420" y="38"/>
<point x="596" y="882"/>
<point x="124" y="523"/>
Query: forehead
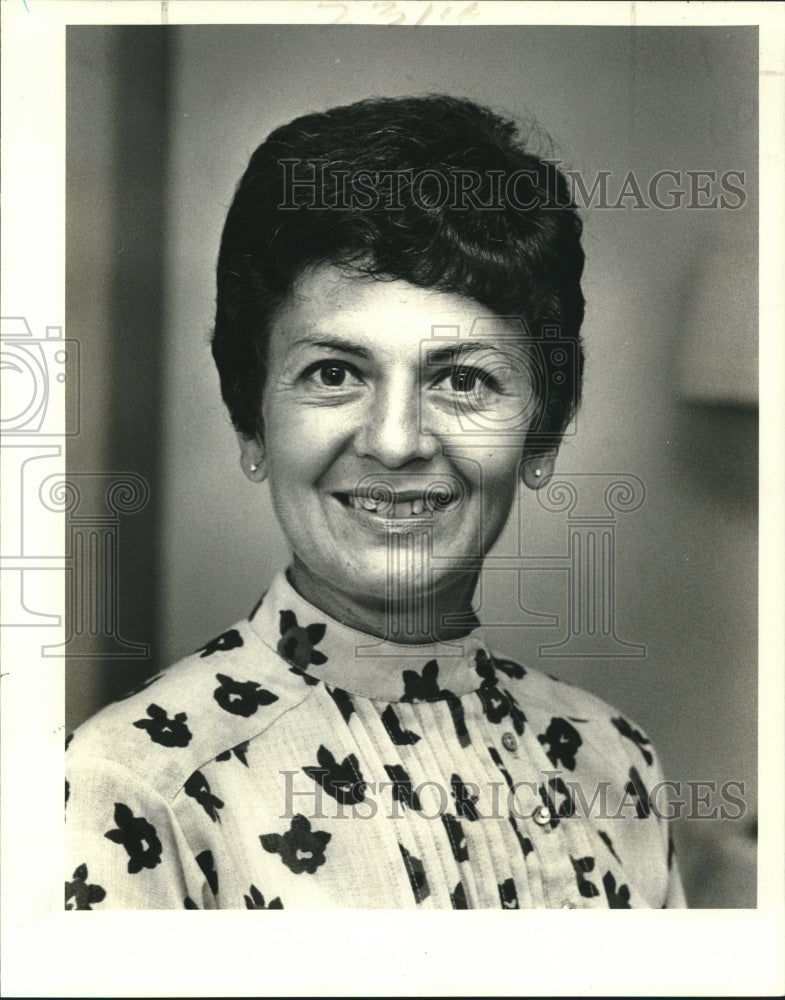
<point x="384" y="313"/>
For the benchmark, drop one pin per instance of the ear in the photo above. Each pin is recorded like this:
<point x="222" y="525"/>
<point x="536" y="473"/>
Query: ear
<point x="252" y="458"/>
<point x="537" y="466"/>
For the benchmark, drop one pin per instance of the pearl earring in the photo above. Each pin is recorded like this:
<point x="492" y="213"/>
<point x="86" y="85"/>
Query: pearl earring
<point x="538" y="473"/>
<point x="253" y="467"/>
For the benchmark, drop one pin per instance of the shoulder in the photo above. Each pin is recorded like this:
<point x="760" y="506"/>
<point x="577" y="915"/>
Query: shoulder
<point x="561" y="711"/>
<point x="551" y="693"/>
<point x="229" y="691"/>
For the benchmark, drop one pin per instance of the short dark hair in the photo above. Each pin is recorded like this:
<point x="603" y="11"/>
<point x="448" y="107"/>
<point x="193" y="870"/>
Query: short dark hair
<point x="435" y="190"/>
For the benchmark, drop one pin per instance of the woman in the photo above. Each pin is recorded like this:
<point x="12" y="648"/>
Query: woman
<point x="387" y="277"/>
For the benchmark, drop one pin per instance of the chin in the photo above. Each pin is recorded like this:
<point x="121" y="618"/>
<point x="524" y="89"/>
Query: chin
<point x="380" y="586"/>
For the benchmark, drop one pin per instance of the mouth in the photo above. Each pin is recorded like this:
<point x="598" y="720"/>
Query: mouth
<point x="400" y="504"/>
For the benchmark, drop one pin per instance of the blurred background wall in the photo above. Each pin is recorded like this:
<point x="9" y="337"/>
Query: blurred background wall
<point x="161" y="122"/>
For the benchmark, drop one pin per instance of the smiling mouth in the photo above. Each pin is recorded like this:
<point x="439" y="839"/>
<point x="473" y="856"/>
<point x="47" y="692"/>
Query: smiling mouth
<point x="401" y="504"/>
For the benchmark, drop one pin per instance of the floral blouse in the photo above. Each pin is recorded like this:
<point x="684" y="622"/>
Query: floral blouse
<point x="293" y="762"/>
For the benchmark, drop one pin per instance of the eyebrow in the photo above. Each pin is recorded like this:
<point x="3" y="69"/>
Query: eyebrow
<point x="334" y="344"/>
<point x="436" y="356"/>
<point x="442" y="355"/>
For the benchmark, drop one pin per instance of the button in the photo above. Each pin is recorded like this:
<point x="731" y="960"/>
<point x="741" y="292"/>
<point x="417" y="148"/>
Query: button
<point x="542" y="816"/>
<point x="509" y="742"/>
<point x="567" y="905"/>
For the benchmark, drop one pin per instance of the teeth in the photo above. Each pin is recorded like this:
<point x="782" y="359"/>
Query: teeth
<point x="400" y="508"/>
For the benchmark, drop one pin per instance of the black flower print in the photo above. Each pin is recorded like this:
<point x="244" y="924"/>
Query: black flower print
<point x="508" y="895"/>
<point x="558" y="798"/>
<point x="79" y="894"/>
<point x="68" y="740"/>
<point x="207" y="865"/>
<point x="241" y="697"/>
<point x="140" y="687"/>
<point x="494" y="704"/>
<point x="240" y="752"/>
<point x="300" y="848"/>
<point x="671" y="851"/>
<point x="497" y="704"/>
<point x="416" y="872"/>
<point x="510" y="668"/>
<point x="605" y="838"/>
<point x="635" y="735"/>
<point x="636" y="789"/>
<point x="496" y="758"/>
<point x="163" y="730"/>
<point x="524" y="842"/>
<point x="425" y="687"/>
<point x="67" y="791"/>
<point x="343" y="781"/>
<point x="517" y="717"/>
<point x="306" y="678"/>
<point x="222" y="644"/>
<point x="455" y="706"/>
<point x="189" y="904"/>
<point x="400" y="737"/>
<point x="343" y="701"/>
<point x="456" y="837"/>
<point x="198" y="788"/>
<point x="255" y="901"/>
<point x="484" y="666"/>
<point x="465" y="802"/>
<point x="487" y="666"/>
<point x="618" y="899"/>
<point x="563" y="739"/>
<point x="297" y="644"/>
<point x="138" y="837"/>
<point x="402" y="787"/>
<point x="582" y="867"/>
<point x="458" y="898"/>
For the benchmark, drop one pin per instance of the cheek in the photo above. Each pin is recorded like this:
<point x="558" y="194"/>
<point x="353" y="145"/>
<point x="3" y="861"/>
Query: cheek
<point x="490" y="471"/>
<point x="500" y="485"/>
<point x="300" y="446"/>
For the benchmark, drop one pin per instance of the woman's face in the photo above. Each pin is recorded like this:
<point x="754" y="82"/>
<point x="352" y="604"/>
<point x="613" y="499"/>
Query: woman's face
<point x="394" y="422"/>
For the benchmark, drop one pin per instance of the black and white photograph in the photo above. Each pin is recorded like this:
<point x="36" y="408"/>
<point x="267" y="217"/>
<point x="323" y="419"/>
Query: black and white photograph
<point x="389" y="460"/>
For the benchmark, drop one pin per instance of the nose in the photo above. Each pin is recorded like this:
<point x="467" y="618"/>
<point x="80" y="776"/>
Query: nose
<point x="393" y="432"/>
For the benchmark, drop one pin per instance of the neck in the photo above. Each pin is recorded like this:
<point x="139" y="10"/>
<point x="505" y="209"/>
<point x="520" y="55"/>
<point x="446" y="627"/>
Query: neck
<point x="409" y="617"/>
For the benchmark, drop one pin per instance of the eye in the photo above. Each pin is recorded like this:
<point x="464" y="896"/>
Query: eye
<point x="464" y="378"/>
<point x="331" y="375"/>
